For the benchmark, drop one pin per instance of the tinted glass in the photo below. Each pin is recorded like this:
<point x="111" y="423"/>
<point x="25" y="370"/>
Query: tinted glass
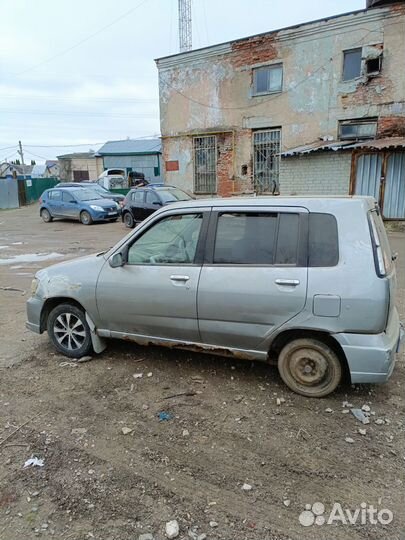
<point x="323" y="243"/>
<point x="351" y="64"/>
<point x="172" y="240"/>
<point x="268" y="79"/>
<point x="173" y="195"/>
<point x="287" y="239"/>
<point x="151" y="197"/>
<point x="137" y="196"/>
<point x="245" y="238"/>
<point x="67" y="197"/>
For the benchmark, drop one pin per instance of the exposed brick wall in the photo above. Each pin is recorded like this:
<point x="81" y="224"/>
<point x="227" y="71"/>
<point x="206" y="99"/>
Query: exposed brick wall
<point x="391" y="126"/>
<point x="254" y="50"/>
<point x="326" y="173"/>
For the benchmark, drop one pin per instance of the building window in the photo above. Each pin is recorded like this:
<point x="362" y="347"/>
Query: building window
<point x="205" y="164"/>
<point x="351" y="64"/>
<point x="266" y="160"/>
<point x="267" y="80"/>
<point x="373" y="65"/>
<point x="358" y="129"/>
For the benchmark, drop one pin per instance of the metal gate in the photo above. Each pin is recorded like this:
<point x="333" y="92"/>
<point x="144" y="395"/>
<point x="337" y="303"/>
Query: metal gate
<point x="205" y="164"/>
<point x="266" y="160"/>
<point x="382" y="176"/>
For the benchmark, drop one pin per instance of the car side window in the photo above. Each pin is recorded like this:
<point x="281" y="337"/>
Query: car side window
<point x="137" y="196"/>
<point x="172" y="240"/>
<point x="151" y="197"/>
<point x="323" y="244"/>
<point x="67" y="197"/>
<point x="55" y="195"/>
<point x="256" y="238"/>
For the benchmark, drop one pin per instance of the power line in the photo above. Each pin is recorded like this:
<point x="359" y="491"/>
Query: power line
<point x="84" y="40"/>
<point x="8" y="148"/>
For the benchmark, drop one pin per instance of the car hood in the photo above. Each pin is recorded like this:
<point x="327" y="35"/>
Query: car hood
<point x="104" y="203"/>
<point x="70" y="278"/>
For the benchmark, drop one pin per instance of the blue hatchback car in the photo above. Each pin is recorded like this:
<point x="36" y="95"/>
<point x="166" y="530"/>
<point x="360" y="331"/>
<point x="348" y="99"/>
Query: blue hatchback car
<point x="77" y="203"/>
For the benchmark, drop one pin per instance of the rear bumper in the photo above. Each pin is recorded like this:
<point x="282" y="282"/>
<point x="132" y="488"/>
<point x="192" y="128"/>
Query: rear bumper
<point x="371" y="357"/>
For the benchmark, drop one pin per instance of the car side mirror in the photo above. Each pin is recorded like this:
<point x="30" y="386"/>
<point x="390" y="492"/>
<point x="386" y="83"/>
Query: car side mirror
<point x="116" y="260"/>
<point x="157" y="203"/>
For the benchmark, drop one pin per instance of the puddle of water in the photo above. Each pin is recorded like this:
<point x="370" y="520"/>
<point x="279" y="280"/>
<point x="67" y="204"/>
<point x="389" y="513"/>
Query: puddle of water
<point x="30" y="257"/>
<point x="24" y="274"/>
<point x="17" y="243"/>
<point x="4" y="247"/>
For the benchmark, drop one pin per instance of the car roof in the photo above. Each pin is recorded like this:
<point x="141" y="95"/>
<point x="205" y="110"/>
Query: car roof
<point x="156" y="187"/>
<point x="312" y="203"/>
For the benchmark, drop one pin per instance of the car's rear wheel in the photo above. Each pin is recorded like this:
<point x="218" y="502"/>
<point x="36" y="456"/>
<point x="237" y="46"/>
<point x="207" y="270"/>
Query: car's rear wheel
<point x="86" y="218"/>
<point x="309" y="367"/>
<point x="129" y="220"/>
<point x="46" y="215"/>
<point x="69" y="332"/>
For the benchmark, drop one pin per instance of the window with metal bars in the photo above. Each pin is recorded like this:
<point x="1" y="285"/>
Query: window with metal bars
<point x="266" y="160"/>
<point x="205" y="164"/>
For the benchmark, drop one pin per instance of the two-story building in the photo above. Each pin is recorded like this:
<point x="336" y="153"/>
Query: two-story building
<point x="316" y="108"/>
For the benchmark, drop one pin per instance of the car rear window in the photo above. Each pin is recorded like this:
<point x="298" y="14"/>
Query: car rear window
<point x="323" y="242"/>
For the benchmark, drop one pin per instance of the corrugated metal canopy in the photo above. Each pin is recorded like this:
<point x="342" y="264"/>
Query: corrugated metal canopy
<point x="317" y="146"/>
<point x="131" y="146"/>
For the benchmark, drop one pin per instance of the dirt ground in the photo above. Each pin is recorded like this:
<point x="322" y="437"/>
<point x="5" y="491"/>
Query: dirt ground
<point x="229" y="430"/>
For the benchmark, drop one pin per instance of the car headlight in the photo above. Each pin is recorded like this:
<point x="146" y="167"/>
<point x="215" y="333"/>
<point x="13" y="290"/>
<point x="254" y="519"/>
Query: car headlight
<point x="34" y="286"/>
<point x="97" y="208"/>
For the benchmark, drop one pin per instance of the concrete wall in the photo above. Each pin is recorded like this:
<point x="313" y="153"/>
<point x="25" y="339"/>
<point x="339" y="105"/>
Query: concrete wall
<point x="210" y="90"/>
<point x="92" y="165"/>
<point x="326" y="173"/>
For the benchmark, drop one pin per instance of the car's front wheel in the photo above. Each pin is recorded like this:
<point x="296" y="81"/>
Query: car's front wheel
<point x="46" y="215"/>
<point x="129" y="220"/>
<point x="309" y="367"/>
<point x="86" y="218"/>
<point x="68" y="330"/>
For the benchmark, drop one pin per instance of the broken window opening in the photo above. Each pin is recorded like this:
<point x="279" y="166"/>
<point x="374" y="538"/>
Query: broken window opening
<point x="373" y="65"/>
<point x="267" y="79"/>
<point x="351" y="64"/>
<point x="358" y="129"/>
<point x="205" y="164"/>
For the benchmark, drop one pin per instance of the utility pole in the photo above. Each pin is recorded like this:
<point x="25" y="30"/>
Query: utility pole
<point x="20" y="151"/>
<point x="185" y="27"/>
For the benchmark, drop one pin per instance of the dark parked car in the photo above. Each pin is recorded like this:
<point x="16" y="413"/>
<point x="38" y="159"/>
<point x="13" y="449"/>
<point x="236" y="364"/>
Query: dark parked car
<point x="77" y="203"/>
<point x="100" y="190"/>
<point x="142" y="202"/>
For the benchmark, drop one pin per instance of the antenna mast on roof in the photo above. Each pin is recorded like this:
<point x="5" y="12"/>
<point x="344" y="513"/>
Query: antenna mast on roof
<point x="185" y="29"/>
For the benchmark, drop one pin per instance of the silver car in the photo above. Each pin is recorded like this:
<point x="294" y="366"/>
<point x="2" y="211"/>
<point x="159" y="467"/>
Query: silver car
<point x="308" y="282"/>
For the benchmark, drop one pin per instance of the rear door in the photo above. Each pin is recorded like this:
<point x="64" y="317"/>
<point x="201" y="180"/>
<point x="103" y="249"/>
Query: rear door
<point x="136" y="203"/>
<point x="55" y="202"/>
<point x="152" y="203"/>
<point x="254" y="278"/>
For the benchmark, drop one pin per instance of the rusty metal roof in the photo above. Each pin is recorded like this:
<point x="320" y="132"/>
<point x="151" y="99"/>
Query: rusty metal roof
<point x="317" y="146"/>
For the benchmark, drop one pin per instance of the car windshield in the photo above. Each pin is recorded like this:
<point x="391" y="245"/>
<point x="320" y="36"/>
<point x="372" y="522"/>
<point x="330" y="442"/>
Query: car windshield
<point x="86" y="195"/>
<point x="173" y="195"/>
<point x="98" y="189"/>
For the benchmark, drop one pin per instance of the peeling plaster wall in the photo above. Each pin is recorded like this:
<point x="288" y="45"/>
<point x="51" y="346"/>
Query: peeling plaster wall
<point x="211" y="89"/>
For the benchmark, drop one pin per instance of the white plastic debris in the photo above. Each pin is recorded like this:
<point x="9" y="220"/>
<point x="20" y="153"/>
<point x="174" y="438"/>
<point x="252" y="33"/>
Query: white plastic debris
<point x="172" y="529"/>
<point x="137" y="375"/>
<point x="34" y="462"/>
<point x="246" y="487"/>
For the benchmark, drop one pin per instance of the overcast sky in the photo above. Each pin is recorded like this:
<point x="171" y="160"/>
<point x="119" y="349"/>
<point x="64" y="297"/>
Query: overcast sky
<point x="83" y="71"/>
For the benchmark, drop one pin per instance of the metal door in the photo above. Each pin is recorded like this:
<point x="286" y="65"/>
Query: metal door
<point x="368" y="175"/>
<point x="394" y="192"/>
<point x="266" y="154"/>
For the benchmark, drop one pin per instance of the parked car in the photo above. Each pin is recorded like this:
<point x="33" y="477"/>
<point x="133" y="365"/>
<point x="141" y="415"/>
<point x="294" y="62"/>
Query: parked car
<point x="307" y="281"/>
<point x="77" y="203"/>
<point x="141" y="202"/>
<point x="100" y="190"/>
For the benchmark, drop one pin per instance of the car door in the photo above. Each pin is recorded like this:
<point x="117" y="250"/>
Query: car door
<point x="136" y="202"/>
<point x="70" y="206"/>
<point x="155" y="292"/>
<point x="55" y="202"/>
<point x="152" y="203"/>
<point x="254" y="278"/>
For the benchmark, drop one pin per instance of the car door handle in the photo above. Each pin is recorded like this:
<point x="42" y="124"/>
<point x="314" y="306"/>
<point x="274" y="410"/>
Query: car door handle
<point x="179" y="278"/>
<point x="289" y="282"/>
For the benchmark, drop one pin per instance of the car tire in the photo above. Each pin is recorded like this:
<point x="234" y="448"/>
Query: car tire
<point x="68" y="330"/>
<point x="46" y="215"/>
<point x="129" y="220"/>
<point x="309" y="367"/>
<point x="86" y="218"/>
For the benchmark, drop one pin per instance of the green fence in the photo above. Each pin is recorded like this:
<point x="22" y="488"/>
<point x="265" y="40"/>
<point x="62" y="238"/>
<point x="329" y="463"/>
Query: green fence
<point x="34" y="187"/>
